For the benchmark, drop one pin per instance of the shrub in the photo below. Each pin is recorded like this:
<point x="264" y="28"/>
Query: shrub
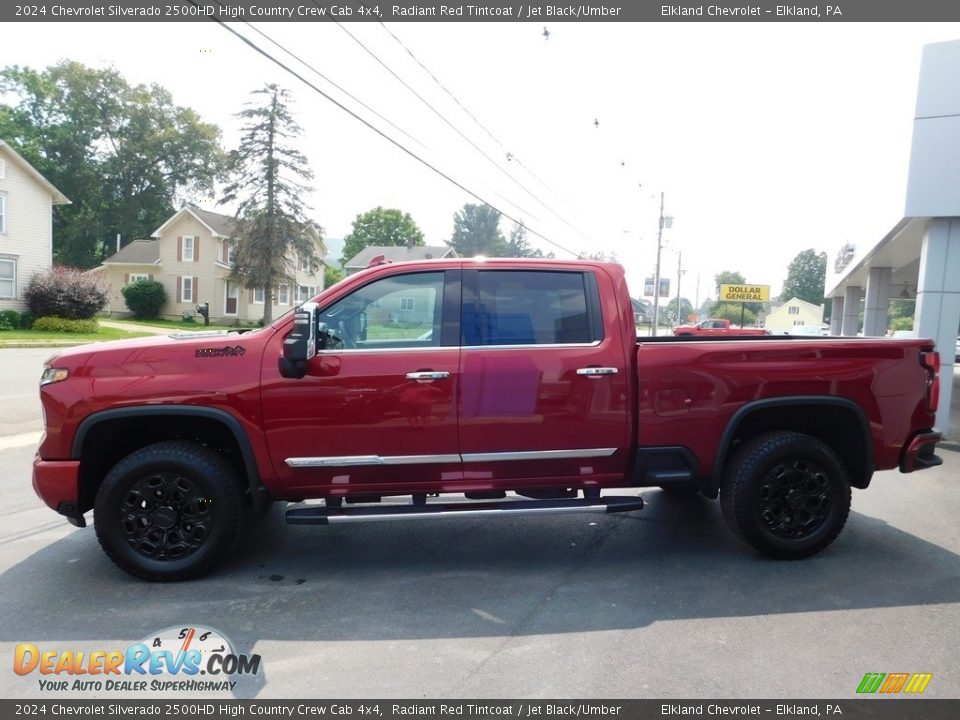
<point x="66" y="293"/>
<point x="65" y="325"/>
<point x="144" y="298"/>
<point x="9" y="319"/>
<point x="26" y="320"/>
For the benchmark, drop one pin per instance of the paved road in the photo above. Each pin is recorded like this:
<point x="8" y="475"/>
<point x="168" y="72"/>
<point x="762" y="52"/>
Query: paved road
<point x="660" y="603"/>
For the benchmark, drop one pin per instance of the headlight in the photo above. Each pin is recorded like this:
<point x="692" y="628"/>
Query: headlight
<point x="53" y="375"/>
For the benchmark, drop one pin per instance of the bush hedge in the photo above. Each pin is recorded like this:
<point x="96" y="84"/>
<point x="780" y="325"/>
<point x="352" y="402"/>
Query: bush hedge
<point x="144" y="298"/>
<point x="66" y="293"/>
<point x="65" y="325"/>
<point x="9" y="320"/>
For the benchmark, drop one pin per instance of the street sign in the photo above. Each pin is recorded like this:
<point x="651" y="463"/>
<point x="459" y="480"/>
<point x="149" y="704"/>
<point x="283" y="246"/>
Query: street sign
<point x="664" y="287"/>
<point x="744" y="293"/>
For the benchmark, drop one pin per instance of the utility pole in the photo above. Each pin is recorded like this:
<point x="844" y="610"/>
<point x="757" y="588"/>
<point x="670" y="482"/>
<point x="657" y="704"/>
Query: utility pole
<point x="679" y="273"/>
<point x="656" y="277"/>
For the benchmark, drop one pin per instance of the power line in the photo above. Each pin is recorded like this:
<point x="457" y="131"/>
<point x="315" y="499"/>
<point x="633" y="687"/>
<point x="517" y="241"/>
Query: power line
<point x="379" y="132"/>
<point x="436" y="112"/>
<point x="338" y="87"/>
<point x="284" y="49"/>
<point x="460" y="132"/>
<point x="483" y="127"/>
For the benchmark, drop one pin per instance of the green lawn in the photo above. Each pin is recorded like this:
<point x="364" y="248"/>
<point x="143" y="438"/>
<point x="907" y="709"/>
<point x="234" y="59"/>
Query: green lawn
<point x="101" y="334"/>
<point x="177" y="324"/>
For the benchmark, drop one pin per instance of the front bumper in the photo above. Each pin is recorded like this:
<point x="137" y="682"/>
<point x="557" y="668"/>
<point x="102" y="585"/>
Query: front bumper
<point x="56" y="482"/>
<point x="920" y="452"/>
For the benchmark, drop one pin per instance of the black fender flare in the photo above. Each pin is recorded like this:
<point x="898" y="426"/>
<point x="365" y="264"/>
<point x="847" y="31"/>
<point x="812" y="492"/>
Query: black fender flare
<point x="795" y="400"/>
<point x="259" y="495"/>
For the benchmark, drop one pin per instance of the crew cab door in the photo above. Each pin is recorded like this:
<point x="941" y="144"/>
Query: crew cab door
<point x="377" y="406"/>
<point x="543" y="377"/>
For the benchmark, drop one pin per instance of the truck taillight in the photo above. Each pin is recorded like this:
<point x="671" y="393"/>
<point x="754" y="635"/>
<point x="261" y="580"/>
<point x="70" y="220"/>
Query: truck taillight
<point x="931" y="363"/>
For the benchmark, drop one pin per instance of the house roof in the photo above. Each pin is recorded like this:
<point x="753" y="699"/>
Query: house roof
<point x="798" y="301"/>
<point x="219" y="225"/>
<point x="139" y="252"/>
<point x="58" y="197"/>
<point x="399" y="254"/>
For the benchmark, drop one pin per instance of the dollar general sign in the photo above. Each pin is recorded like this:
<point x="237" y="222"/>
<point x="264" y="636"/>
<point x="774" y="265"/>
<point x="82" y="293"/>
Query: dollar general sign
<point x="744" y="293"/>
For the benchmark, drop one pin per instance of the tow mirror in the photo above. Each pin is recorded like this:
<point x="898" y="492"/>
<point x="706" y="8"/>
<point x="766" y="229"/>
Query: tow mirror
<point x="301" y="344"/>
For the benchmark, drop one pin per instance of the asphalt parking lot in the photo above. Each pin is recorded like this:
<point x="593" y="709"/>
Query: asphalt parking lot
<point x="655" y="604"/>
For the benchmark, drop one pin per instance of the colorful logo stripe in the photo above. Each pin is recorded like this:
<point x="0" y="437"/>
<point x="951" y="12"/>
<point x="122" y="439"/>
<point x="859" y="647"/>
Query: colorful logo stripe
<point x="894" y="683"/>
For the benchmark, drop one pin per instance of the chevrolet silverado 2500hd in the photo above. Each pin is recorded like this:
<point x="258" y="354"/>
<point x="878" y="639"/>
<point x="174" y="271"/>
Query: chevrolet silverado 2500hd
<point x="476" y="378"/>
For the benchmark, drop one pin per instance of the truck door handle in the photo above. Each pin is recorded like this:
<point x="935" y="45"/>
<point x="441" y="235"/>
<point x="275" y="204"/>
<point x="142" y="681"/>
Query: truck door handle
<point x="428" y="375"/>
<point x="593" y="372"/>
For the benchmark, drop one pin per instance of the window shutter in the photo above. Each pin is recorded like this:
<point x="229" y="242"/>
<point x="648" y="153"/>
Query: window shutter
<point x="196" y="291"/>
<point x="179" y="289"/>
<point x="126" y="278"/>
<point x="179" y="251"/>
<point x="251" y="295"/>
<point x="196" y="248"/>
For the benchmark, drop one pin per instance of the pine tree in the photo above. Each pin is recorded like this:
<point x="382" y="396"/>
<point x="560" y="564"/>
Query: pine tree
<point x="270" y="176"/>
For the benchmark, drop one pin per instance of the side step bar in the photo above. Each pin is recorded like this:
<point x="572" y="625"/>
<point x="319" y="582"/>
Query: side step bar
<point x="330" y="516"/>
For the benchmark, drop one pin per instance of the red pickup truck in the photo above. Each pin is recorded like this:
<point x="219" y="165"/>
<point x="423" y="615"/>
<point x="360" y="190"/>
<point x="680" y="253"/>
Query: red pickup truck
<point x="475" y="378"/>
<point x="713" y="328"/>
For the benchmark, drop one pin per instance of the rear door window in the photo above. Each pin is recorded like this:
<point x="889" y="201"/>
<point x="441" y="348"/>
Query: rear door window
<point x="521" y="307"/>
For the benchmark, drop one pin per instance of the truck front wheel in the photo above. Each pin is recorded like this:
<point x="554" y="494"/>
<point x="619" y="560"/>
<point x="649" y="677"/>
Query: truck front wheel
<point x="169" y="511"/>
<point x="786" y="494"/>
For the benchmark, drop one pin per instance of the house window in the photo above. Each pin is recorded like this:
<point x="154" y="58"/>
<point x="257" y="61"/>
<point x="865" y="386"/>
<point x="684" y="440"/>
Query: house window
<point x="3" y="213"/>
<point x="793" y="310"/>
<point x="134" y="277"/>
<point x="283" y="295"/>
<point x="304" y="264"/>
<point x="8" y="278"/>
<point x="305" y="292"/>
<point x="186" y="289"/>
<point x="258" y="296"/>
<point x="229" y="253"/>
<point x="188" y="243"/>
<point x="3" y="169"/>
<point x="406" y="303"/>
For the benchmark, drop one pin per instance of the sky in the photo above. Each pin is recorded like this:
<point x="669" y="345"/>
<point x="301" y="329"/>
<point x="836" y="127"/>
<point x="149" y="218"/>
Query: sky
<point x="765" y="138"/>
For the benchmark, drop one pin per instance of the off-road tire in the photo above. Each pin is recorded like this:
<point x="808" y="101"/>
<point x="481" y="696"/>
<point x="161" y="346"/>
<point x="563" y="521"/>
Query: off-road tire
<point x="169" y="511"/>
<point x="786" y="494"/>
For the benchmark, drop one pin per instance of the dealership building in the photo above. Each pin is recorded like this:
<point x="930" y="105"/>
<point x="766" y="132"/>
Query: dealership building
<point x="919" y="258"/>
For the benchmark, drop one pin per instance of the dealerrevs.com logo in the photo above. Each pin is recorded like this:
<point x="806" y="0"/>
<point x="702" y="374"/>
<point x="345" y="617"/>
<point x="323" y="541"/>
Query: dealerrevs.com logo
<point x="177" y="659"/>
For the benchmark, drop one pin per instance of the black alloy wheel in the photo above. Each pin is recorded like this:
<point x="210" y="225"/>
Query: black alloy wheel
<point x="786" y="494"/>
<point x="169" y="511"/>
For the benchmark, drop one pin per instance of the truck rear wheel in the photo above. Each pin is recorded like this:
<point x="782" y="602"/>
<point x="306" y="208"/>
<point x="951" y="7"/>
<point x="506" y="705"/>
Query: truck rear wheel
<point x="786" y="494"/>
<point x="169" y="511"/>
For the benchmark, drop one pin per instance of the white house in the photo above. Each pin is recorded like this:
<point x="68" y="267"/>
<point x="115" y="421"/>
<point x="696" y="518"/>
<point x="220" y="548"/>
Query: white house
<point x="26" y="225"/>
<point x="793" y="313"/>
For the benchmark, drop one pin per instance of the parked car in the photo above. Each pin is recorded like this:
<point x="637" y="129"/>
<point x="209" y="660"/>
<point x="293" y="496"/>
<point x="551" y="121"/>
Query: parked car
<point x="716" y="327"/>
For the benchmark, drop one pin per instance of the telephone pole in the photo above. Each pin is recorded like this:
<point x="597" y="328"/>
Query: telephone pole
<point x="664" y="222"/>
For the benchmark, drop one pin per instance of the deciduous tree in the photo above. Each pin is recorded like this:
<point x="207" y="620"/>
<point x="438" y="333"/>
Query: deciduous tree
<point x="806" y="276"/>
<point x="476" y="231"/>
<point x="388" y="227"/>
<point x="126" y="155"/>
